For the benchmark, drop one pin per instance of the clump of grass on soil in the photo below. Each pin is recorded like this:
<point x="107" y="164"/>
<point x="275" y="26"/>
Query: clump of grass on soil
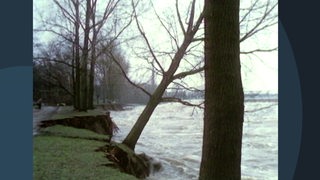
<point x="70" y="132"/>
<point x="70" y="153"/>
<point x="68" y="112"/>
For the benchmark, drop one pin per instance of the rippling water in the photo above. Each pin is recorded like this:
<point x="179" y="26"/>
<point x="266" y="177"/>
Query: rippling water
<point x="174" y="137"/>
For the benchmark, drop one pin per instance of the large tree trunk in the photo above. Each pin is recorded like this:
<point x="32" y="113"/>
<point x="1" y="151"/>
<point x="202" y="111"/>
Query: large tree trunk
<point x="224" y="109"/>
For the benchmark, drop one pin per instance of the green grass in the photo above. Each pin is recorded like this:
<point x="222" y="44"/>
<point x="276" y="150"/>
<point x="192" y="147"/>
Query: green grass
<point x="68" y="112"/>
<point x="65" y="131"/>
<point x="57" y="157"/>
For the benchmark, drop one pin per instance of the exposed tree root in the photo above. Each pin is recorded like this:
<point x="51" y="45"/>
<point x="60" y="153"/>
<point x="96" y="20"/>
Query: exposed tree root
<point x="139" y="165"/>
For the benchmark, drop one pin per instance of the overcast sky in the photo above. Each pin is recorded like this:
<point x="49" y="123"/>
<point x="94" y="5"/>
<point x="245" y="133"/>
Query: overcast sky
<point x="259" y="71"/>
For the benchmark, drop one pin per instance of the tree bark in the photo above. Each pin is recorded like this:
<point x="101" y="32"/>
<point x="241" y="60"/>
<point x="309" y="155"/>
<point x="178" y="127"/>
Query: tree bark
<point x="224" y="108"/>
<point x="73" y="75"/>
<point x="85" y="55"/>
<point x="77" y="57"/>
<point x="91" y="80"/>
<point x="132" y="138"/>
<point x="92" y="63"/>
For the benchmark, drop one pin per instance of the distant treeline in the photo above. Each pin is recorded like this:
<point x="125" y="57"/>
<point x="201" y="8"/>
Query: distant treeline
<point x="253" y="97"/>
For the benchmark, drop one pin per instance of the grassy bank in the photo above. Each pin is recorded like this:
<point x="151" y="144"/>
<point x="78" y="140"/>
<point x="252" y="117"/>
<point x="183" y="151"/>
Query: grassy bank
<point x="62" y="152"/>
<point x="68" y="112"/>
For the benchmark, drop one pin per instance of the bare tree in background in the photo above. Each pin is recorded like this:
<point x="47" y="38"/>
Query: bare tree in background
<point x="81" y="21"/>
<point x="52" y="73"/>
<point x="97" y="24"/>
<point x="110" y="79"/>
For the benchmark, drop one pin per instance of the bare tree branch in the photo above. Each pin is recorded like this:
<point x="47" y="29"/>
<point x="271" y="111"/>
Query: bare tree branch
<point x="57" y="85"/>
<point x="193" y="89"/>
<point x="249" y="11"/>
<point x="190" y="23"/>
<point x="65" y="12"/>
<point x="179" y="18"/>
<point x="185" y="44"/>
<point x="58" y="80"/>
<point x="69" y="39"/>
<point x="60" y="85"/>
<point x="178" y="100"/>
<point x="146" y="40"/>
<point x="100" y="24"/>
<point x="111" y="5"/>
<point x="53" y="60"/>
<point x="258" y="50"/>
<point x="187" y="73"/>
<point x="259" y="109"/>
<point x="125" y="75"/>
<point x="197" y="39"/>
<point x="166" y="28"/>
<point x="198" y="23"/>
<point x="256" y="28"/>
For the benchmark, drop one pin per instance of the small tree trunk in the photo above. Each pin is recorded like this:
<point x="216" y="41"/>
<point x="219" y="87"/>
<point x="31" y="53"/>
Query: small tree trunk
<point x="73" y="76"/>
<point x="77" y="57"/>
<point x="132" y="138"/>
<point x="93" y="62"/>
<point x="85" y="55"/>
<point x="91" y="76"/>
<point x="91" y="86"/>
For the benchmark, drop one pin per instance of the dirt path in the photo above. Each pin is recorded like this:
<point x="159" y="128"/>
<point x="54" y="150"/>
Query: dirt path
<point x="42" y="114"/>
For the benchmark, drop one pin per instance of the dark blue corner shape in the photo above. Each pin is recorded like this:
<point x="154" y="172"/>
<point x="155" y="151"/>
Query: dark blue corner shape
<point x="16" y="90"/>
<point x="290" y="109"/>
<point x="16" y="34"/>
<point x="16" y="123"/>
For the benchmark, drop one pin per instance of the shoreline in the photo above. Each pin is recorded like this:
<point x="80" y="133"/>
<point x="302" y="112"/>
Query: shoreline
<point x="95" y="126"/>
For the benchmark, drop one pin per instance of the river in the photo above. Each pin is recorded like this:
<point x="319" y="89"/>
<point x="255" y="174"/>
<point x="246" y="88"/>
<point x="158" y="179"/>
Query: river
<point x="173" y="136"/>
